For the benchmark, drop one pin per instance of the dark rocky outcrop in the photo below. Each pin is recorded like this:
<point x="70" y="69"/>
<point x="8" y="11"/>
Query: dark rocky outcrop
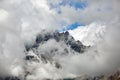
<point x="10" y="78"/>
<point x="65" y="36"/>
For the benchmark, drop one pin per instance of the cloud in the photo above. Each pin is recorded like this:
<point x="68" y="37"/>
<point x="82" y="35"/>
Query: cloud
<point x="100" y="12"/>
<point x="22" y="20"/>
<point x="3" y="15"/>
<point x="11" y="45"/>
<point x="103" y="57"/>
<point x="90" y="34"/>
<point x="100" y="59"/>
<point x="36" y="14"/>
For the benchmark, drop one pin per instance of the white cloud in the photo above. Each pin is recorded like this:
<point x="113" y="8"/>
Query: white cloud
<point x="3" y="14"/>
<point x="90" y="34"/>
<point x="102" y="58"/>
<point x="22" y="19"/>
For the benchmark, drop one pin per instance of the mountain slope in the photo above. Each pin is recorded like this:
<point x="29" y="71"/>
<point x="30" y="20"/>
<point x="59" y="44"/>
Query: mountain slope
<point x="41" y="58"/>
<point x="90" y="34"/>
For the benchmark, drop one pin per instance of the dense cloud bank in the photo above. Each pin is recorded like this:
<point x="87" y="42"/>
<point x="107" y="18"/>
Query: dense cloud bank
<point x="22" y="20"/>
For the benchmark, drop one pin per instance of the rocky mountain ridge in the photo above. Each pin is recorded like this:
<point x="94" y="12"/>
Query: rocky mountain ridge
<point x="43" y="53"/>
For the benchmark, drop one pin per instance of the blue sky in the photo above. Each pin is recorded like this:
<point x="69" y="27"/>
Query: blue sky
<point x="77" y="5"/>
<point x="72" y="3"/>
<point x="72" y="26"/>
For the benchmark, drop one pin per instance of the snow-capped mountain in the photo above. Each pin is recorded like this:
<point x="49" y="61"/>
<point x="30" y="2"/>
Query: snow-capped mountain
<point x="64" y="37"/>
<point x="41" y="60"/>
<point x="90" y="34"/>
<point x="44" y="52"/>
<point x="41" y="57"/>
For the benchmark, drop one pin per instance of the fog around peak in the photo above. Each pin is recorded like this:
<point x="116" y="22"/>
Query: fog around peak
<point x="22" y="20"/>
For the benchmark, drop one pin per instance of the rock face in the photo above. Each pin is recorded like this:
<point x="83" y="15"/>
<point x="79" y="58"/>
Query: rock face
<point x="10" y="78"/>
<point x="49" y="45"/>
<point x="64" y="40"/>
<point x="65" y="36"/>
<point x="44" y="50"/>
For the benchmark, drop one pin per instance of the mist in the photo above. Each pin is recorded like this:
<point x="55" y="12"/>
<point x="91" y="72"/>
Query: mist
<point x="22" y="20"/>
<point x="102" y="58"/>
